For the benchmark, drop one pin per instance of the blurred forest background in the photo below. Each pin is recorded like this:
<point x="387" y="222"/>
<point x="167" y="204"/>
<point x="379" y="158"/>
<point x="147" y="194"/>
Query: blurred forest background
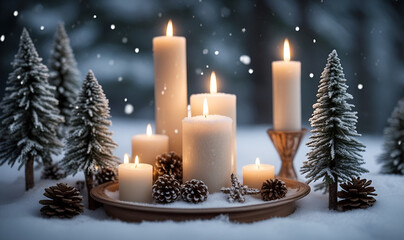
<point x="236" y="38"/>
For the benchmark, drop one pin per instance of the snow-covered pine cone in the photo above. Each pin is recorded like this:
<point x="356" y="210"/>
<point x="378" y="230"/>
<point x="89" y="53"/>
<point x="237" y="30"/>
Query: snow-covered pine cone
<point x="53" y="171"/>
<point x="356" y="194"/>
<point x="194" y="191"/>
<point x="65" y="201"/>
<point x="166" y="189"/>
<point x="273" y="189"/>
<point x="105" y="175"/>
<point x="168" y="163"/>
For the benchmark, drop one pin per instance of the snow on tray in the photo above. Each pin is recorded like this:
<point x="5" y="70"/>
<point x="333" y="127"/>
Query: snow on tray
<point x="215" y="200"/>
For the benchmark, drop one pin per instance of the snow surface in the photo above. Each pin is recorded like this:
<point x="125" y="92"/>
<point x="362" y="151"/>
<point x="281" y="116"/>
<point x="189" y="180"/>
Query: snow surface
<point x="20" y="217"/>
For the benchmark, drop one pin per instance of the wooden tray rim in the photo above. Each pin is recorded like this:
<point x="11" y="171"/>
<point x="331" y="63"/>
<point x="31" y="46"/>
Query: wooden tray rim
<point x="98" y="193"/>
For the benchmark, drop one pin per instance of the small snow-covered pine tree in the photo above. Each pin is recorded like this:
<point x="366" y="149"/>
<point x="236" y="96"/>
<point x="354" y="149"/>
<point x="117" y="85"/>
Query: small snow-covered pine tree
<point x="64" y="75"/>
<point x="30" y="116"/>
<point x="89" y="144"/>
<point x="334" y="154"/>
<point x="392" y="158"/>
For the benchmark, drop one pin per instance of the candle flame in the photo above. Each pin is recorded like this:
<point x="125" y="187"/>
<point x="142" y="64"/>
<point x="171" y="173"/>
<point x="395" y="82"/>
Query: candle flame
<point x="136" y="161"/>
<point x="169" y="32"/>
<point x="286" y="50"/>
<point x="213" y="84"/>
<point x="257" y="162"/>
<point x="205" y="107"/>
<point x="149" y="130"/>
<point x="189" y="110"/>
<point x="126" y="158"/>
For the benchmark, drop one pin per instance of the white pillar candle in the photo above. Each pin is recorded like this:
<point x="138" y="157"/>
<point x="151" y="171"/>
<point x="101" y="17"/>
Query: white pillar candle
<point x="148" y="146"/>
<point x="207" y="149"/>
<point x="219" y="104"/>
<point x="135" y="181"/>
<point x="286" y="93"/>
<point x="254" y="175"/>
<point x="170" y="86"/>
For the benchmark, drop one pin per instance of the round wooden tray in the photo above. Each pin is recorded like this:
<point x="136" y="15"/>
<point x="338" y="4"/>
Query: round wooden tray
<point x="133" y="212"/>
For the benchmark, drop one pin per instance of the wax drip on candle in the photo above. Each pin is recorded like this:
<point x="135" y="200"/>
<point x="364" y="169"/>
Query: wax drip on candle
<point x="149" y="130"/>
<point x="126" y="158"/>
<point x="213" y="84"/>
<point x="169" y="32"/>
<point x="286" y="50"/>
<point x="257" y="162"/>
<point x="205" y="108"/>
<point x="136" y="161"/>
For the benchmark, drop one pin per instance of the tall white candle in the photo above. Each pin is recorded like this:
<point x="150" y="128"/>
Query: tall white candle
<point x="135" y="181"/>
<point x="254" y="175"/>
<point x="148" y="146"/>
<point x="219" y="104"/>
<point x="286" y="93"/>
<point x="170" y="86"/>
<point x="207" y="149"/>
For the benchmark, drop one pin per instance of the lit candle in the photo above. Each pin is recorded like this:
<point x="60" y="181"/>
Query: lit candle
<point x="286" y="93"/>
<point x="219" y="104"/>
<point x="207" y="149"/>
<point x="170" y="86"/>
<point x="148" y="146"/>
<point x="135" y="181"/>
<point x="255" y="174"/>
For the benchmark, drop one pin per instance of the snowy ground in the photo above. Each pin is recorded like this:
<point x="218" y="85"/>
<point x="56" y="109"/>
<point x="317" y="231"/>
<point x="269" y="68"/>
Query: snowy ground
<point x="20" y="218"/>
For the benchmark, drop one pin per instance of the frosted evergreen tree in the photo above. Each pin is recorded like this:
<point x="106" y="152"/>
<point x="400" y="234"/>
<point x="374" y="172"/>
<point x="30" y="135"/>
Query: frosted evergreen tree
<point x="89" y="144"/>
<point x="30" y="116"/>
<point x="392" y="158"/>
<point x="64" y="75"/>
<point x="335" y="152"/>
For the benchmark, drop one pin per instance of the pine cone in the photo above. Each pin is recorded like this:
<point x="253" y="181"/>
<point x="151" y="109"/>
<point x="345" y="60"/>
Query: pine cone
<point x="53" y="171"/>
<point x="356" y="194"/>
<point x="170" y="164"/>
<point x="194" y="191"/>
<point x="65" y="201"/>
<point x="166" y="189"/>
<point x="105" y="175"/>
<point x="273" y="189"/>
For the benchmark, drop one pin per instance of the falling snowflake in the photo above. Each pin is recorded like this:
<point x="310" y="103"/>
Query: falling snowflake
<point x="245" y="59"/>
<point x="98" y="55"/>
<point x="19" y="77"/>
<point x="160" y="14"/>
<point x="205" y="51"/>
<point x="360" y="86"/>
<point x="120" y="79"/>
<point x="15" y="13"/>
<point x="201" y="73"/>
<point x="243" y="30"/>
<point x="297" y="28"/>
<point x="216" y="52"/>
<point x="314" y="40"/>
<point x="124" y="40"/>
<point x="42" y="28"/>
<point x="230" y="34"/>
<point x="2" y="38"/>
<point x="136" y="50"/>
<point x="176" y="131"/>
<point x="94" y="16"/>
<point x="311" y="75"/>
<point x="250" y="71"/>
<point x="128" y="109"/>
<point x="112" y="26"/>
<point x="207" y="66"/>
<point x="111" y="62"/>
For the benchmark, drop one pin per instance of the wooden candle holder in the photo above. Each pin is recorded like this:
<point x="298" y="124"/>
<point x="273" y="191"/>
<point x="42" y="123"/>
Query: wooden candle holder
<point x="287" y="143"/>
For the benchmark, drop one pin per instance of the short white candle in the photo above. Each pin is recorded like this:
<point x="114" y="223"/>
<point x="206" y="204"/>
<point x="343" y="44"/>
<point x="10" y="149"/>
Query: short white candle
<point x="135" y="181"/>
<point x="254" y="175"/>
<point x="219" y="104"/>
<point x="148" y="146"/>
<point x="170" y="86"/>
<point x="286" y="93"/>
<point x="207" y="148"/>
